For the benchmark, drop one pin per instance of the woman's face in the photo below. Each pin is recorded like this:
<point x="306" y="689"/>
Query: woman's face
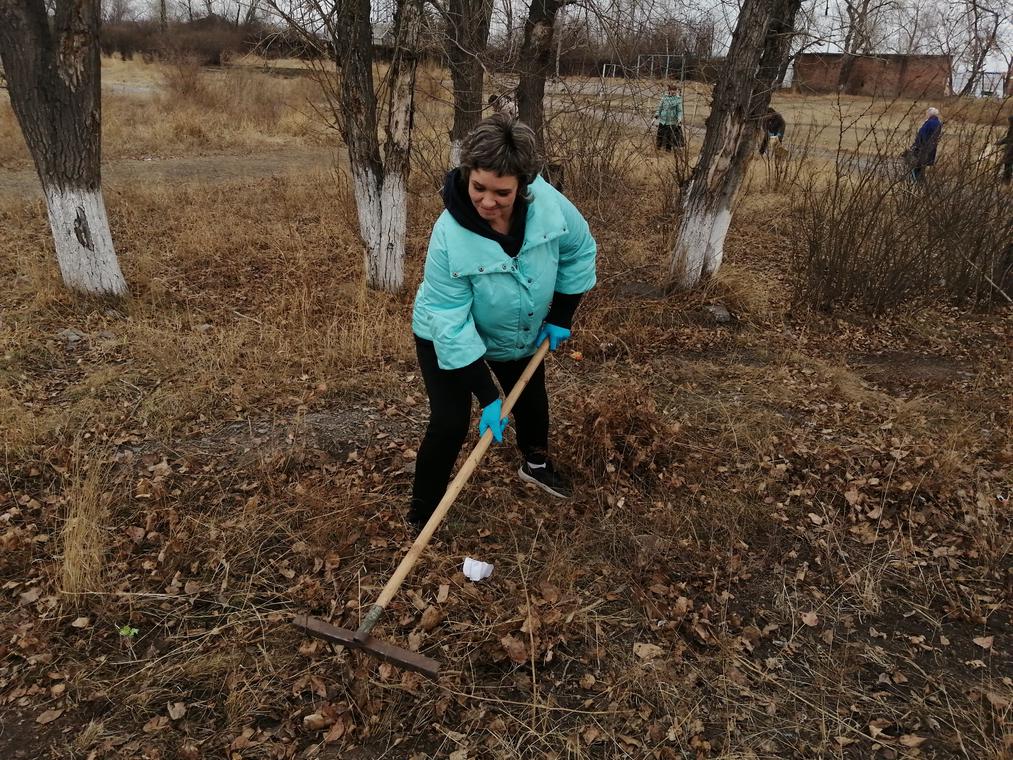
<point x="492" y="195"/>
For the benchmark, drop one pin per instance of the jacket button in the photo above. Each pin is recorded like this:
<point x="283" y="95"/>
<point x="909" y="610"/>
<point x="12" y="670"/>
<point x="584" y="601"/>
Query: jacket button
<point x="531" y="314"/>
<point x="530" y="280"/>
<point x="481" y="269"/>
<point x="454" y="275"/>
<point x="504" y="267"/>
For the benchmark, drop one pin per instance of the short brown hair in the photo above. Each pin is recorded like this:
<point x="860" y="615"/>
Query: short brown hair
<point x="503" y="145"/>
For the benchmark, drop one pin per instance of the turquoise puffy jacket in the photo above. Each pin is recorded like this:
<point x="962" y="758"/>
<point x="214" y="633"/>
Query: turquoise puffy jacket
<point x="476" y="301"/>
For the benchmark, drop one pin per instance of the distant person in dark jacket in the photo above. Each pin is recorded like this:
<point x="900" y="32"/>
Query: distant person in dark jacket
<point x="1007" y="156"/>
<point x="922" y="152"/>
<point x="773" y="126"/>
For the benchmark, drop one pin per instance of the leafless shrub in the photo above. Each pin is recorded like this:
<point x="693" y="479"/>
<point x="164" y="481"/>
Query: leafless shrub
<point x="209" y="44"/>
<point x="182" y="79"/>
<point x="874" y="239"/>
<point x="620" y="430"/>
<point x="786" y="164"/>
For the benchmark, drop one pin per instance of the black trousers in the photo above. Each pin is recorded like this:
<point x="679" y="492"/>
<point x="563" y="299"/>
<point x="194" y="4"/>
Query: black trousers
<point x="670" y="137"/>
<point x="450" y="420"/>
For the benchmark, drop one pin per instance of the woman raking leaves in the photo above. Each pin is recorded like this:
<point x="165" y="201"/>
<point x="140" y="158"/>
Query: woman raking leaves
<point x="508" y="262"/>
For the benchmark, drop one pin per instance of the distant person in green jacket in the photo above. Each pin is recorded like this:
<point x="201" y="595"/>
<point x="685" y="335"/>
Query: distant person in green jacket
<point x="508" y="262"/>
<point x="669" y="118"/>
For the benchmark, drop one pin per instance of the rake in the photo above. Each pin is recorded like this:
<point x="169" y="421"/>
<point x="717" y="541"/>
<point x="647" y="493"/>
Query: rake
<point x="361" y="638"/>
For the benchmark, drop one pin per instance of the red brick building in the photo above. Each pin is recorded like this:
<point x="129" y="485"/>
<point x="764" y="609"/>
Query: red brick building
<point x="888" y="75"/>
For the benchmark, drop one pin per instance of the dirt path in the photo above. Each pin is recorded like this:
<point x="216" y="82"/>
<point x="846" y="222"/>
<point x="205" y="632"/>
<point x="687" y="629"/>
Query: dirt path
<point x="24" y="183"/>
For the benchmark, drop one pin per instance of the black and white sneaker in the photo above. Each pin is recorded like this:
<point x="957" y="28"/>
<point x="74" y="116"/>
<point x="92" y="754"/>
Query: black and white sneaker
<point x="546" y="477"/>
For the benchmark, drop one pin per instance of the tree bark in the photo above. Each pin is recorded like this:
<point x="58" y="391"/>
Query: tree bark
<point x="380" y="187"/>
<point x="467" y="37"/>
<point x="535" y="64"/>
<point x="52" y="66"/>
<point x="741" y="96"/>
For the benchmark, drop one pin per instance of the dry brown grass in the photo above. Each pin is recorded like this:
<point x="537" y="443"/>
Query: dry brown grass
<point x="256" y="412"/>
<point x="83" y="537"/>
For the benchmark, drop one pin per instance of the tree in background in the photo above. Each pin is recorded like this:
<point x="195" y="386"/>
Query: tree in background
<point x="53" y="74"/>
<point x="380" y="185"/>
<point x="467" y="35"/>
<point x="760" y="43"/>
<point x="535" y="64"/>
<point x="981" y="24"/>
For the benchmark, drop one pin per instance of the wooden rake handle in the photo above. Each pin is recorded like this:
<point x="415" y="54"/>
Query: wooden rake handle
<point x="394" y="584"/>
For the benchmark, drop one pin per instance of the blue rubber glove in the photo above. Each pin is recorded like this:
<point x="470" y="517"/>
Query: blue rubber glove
<point x="491" y="420"/>
<point x="554" y="333"/>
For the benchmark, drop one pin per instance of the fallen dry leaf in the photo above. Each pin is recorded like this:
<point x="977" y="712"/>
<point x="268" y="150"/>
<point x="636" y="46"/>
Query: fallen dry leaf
<point x="515" y="649"/>
<point x="811" y="619"/>
<point x="176" y="710"/>
<point x="81" y="622"/>
<point x="876" y="727"/>
<point x="647" y="651"/>
<point x="910" y="740"/>
<point x="335" y="732"/>
<point x="48" y="716"/>
<point x="985" y="642"/>
<point x="155" y="724"/>
<point x="316" y="722"/>
<point x="443" y="593"/>
<point x="31" y="595"/>
<point x="998" y="701"/>
<point x="430" y="618"/>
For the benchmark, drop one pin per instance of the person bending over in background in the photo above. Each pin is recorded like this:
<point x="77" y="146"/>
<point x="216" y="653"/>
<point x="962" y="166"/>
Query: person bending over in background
<point x="1007" y="156"/>
<point x="503" y="103"/>
<point x="773" y="126"/>
<point x="669" y="117"/>
<point x="508" y="262"/>
<point x="922" y="152"/>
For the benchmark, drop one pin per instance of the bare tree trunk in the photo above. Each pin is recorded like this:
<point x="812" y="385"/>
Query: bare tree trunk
<point x="467" y="36"/>
<point x="759" y="45"/>
<point x="53" y="74"/>
<point x="381" y="188"/>
<point x="536" y="64"/>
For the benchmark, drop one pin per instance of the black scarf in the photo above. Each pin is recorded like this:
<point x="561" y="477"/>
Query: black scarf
<point x="458" y="203"/>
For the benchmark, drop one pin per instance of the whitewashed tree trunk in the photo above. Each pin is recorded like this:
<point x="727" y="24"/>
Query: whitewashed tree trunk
<point x="380" y="187"/>
<point x="51" y="62"/>
<point x="382" y="205"/>
<point x="84" y="244"/>
<point x="759" y="46"/>
<point x="455" y="152"/>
